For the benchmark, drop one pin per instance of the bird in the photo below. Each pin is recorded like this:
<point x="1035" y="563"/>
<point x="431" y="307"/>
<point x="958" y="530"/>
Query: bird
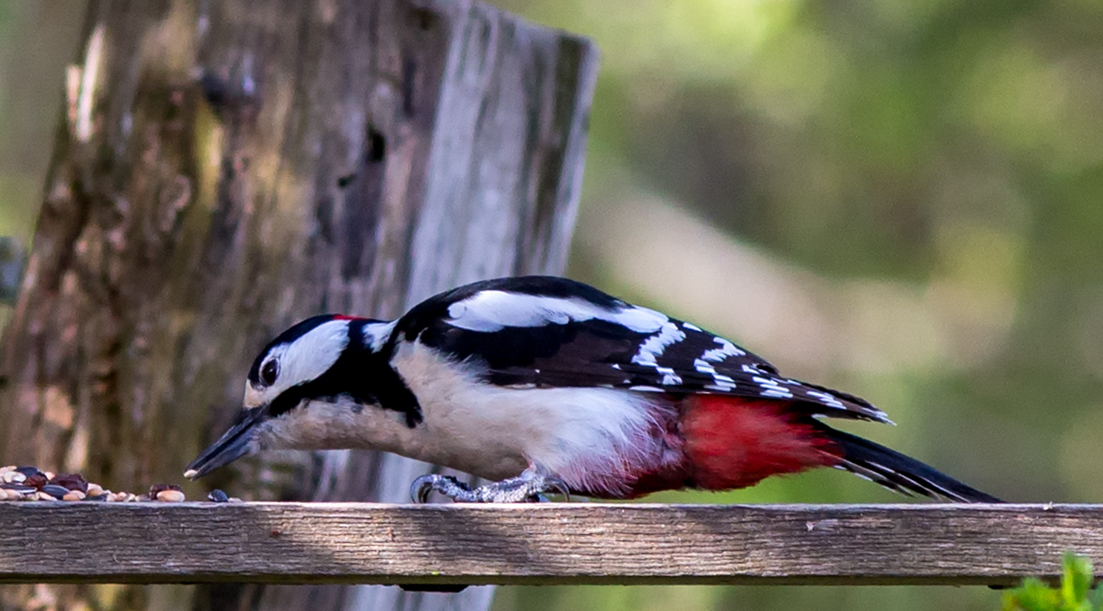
<point x="545" y="386"/>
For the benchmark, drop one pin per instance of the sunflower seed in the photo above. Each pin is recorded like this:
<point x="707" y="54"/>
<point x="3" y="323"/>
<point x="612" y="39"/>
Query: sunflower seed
<point x="54" y="490"/>
<point x="170" y="496"/>
<point x="13" y="477"/>
<point x="27" y="471"/>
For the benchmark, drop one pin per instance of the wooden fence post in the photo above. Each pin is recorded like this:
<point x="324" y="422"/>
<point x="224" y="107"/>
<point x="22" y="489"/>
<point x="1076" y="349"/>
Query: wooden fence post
<point x="225" y="168"/>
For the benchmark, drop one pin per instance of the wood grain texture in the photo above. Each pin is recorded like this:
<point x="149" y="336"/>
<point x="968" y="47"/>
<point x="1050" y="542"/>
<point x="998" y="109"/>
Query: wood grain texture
<point x="542" y="544"/>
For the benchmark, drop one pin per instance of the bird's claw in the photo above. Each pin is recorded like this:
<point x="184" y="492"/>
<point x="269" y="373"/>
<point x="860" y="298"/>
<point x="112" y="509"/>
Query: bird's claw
<point x="420" y="489"/>
<point x="444" y="484"/>
<point x="526" y="488"/>
<point x="554" y="484"/>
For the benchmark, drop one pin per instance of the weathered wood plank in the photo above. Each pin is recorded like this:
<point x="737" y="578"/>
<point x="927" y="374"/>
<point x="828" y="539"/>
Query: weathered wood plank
<point x="542" y="544"/>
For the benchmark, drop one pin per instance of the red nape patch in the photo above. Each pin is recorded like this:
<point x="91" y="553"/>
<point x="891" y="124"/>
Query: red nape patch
<point x="345" y="317"/>
<point x="734" y="442"/>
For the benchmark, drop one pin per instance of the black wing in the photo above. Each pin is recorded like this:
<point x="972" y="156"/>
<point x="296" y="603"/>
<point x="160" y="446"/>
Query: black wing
<point x="565" y="336"/>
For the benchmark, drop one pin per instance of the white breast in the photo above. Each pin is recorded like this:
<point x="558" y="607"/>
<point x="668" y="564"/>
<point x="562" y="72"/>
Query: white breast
<point x="578" y="434"/>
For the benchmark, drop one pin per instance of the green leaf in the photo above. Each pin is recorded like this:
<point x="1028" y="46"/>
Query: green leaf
<point x="1032" y="595"/>
<point x="1074" y="594"/>
<point x="1076" y="582"/>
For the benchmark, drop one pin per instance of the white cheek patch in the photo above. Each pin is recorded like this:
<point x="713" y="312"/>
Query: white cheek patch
<point x="489" y="311"/>
<point x="304" y="359"/>
<point x="313" y="354"/>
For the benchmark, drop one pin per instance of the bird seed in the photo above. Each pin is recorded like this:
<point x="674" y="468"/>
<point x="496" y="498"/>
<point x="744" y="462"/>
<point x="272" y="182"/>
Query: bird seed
<point x="27" y="483"/>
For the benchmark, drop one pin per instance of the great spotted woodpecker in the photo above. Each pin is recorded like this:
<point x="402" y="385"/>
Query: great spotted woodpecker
<point x="543" y="384"/>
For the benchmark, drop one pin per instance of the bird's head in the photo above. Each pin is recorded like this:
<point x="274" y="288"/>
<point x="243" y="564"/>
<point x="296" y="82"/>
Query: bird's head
<point x="317" y="359"/>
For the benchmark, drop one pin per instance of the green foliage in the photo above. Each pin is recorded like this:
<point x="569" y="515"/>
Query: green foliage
<point x="1074" y="594"/>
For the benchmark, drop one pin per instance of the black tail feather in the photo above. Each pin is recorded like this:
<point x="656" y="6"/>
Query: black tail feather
<point x="900" y="473"/>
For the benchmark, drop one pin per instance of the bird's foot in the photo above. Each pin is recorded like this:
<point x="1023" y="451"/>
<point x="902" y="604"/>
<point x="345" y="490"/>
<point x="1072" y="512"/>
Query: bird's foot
<point x="529" y="487"/>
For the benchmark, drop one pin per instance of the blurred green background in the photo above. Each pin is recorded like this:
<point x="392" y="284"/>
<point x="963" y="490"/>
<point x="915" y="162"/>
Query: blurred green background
<point x="897" y="198"/>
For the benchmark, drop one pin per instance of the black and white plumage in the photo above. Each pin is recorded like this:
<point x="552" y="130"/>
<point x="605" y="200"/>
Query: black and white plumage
<point x="550" y="384"/>
<point x="552" y="332"/>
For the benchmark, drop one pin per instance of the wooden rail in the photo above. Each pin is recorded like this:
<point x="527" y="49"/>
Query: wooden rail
<point x="550" y="543"/>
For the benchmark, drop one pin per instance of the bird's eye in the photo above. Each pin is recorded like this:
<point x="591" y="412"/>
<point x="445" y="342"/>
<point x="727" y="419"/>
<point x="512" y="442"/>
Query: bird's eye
<point x="270" y="372"/>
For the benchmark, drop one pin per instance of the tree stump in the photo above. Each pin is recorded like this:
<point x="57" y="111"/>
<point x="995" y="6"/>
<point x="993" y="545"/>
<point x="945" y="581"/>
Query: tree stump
<point x="227" y="168"/>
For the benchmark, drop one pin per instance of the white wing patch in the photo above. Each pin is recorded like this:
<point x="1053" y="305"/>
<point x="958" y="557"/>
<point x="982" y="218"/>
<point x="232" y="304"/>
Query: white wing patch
<point x="772" y="388"/>
<point x="827" y="398"/>
<point x="720" y="382"/>
<point x="725" y="350"/>
<point x="653" y="348"/>
<point x="489" y="311"/>
<point x="669" y="377"/>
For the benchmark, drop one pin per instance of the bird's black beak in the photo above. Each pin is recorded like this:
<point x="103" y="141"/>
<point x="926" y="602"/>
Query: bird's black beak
<point x="233" y="444"/>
